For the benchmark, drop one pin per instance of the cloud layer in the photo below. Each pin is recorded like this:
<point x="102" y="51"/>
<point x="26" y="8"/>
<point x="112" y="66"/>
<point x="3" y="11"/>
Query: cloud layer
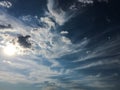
<point x="53" y="60"/>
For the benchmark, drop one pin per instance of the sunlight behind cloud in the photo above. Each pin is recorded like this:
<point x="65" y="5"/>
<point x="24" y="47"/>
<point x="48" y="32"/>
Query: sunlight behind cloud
<point x="10" y="50"/>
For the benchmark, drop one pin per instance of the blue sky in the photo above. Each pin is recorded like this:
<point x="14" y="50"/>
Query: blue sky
<point x="59" y="45"/>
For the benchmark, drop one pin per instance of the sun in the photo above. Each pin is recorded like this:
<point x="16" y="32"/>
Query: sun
<point x="10" y="50"/>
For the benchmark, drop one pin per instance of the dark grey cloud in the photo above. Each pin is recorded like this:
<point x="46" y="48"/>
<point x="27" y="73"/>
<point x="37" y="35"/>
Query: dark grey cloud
<point x="24" y="41"/>
<point x="5" y="26"/>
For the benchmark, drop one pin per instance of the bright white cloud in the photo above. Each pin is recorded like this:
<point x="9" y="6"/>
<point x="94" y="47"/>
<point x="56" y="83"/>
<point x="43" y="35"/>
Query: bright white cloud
<point x="64" y="32"/>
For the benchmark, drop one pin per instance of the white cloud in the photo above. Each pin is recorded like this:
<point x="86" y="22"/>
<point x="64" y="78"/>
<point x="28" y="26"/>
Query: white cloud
<point x="5" y="4"/>
<point x="35" y="72"/>
<point x="64" y="32"/>
<point x="59" y="15"/>
<point x="102" y="50"/>
<point x="25" y="70"/>
<point x="86" y="1"/>
<point x="46" y="45"/>
<point x="81" y="81"/>
<point x="7" y="76"/>
<point x="98" y="63"/>
<point x="48" y="21"/>
<point x="27" y="65"/>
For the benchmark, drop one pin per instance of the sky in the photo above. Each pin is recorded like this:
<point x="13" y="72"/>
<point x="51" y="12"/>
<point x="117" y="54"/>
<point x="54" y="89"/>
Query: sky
<point x="59" y="45"/>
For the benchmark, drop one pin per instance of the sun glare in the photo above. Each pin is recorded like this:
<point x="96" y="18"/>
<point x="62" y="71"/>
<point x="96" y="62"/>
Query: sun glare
<point x="10" y="50"/>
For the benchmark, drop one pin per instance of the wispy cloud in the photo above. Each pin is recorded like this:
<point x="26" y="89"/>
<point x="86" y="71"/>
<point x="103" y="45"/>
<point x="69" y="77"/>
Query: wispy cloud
<point x="98" y="64"/>
<point x="56" y="12"/>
